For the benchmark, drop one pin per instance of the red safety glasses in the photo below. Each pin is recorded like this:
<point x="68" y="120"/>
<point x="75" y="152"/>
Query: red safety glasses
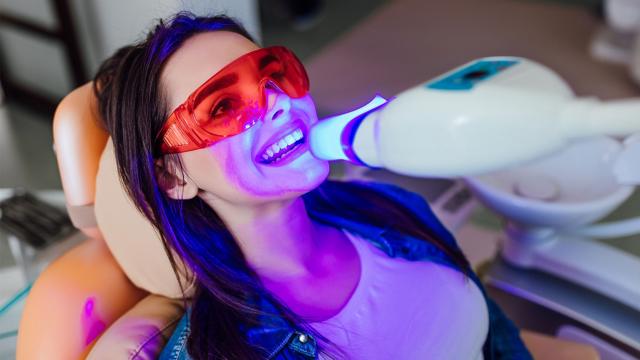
<point x="232" y="100"/>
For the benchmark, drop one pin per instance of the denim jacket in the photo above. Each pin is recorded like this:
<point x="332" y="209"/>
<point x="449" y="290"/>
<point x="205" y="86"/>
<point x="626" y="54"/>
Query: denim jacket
<point x="281" y="341"/>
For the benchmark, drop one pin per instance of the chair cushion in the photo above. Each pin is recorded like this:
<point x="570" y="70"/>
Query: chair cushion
<point x="131" y="238"/>
<point x="142" y="332"/>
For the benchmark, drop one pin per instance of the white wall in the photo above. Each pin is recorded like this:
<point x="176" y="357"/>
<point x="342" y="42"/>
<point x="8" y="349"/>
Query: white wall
<point x="103" y="27"/>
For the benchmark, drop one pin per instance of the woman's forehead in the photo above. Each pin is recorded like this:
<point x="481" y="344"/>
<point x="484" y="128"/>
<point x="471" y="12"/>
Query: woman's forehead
<point x="198" y="59"/>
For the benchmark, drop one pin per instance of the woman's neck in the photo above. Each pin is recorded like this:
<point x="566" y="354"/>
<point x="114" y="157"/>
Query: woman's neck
<point x="277" y="239"/>
<point x="312" y="268"/>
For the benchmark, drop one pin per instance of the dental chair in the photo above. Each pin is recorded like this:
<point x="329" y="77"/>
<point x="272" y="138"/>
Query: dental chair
<point x="116" y="296"/>
<point x="118" y="284"/>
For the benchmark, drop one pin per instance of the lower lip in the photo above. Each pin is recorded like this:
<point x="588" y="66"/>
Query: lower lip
<point x="290" y="156"/>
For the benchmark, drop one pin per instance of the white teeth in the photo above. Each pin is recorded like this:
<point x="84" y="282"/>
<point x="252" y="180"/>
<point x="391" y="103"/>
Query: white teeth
<point x="274" y="150"/>
<point x="289" y="139"/>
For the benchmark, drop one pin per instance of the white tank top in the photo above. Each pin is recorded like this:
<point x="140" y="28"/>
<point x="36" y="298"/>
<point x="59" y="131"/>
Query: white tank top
<point x="404" y="309"/>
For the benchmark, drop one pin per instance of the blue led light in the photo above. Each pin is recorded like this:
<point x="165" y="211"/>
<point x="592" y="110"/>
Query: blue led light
<point x="467" y="77"/>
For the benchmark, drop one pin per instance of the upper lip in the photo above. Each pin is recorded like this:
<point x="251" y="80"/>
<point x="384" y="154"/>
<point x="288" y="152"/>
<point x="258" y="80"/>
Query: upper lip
<point x="287" y="129"/>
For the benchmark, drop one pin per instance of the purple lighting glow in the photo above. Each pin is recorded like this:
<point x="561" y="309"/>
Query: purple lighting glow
<point x="91" y="323"/>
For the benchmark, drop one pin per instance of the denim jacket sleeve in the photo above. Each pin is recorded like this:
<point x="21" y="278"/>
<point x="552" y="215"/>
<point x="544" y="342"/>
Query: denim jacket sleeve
<point x="504" y="340"/>
<point x="292" y="346"/>
<point x="176" y="347"/>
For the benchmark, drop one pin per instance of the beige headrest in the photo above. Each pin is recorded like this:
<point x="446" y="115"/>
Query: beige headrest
<point x="130" y="237"/>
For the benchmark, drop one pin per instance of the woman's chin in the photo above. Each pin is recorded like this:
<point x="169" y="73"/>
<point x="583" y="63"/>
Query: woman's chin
<point x="304" y="179"/>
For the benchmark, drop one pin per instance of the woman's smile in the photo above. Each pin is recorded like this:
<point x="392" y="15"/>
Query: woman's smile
<point x="286" y="145"/>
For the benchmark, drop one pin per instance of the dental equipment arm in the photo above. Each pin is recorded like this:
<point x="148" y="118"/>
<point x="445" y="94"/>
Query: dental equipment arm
<point x="489" y="114"/>
<point x="627" y="166"/>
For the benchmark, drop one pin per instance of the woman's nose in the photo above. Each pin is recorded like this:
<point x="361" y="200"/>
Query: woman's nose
<point x="278" y="102"/>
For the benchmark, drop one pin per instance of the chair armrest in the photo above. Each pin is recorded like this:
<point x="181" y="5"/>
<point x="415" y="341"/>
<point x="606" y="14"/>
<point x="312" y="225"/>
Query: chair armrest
<point x="142" y="332"/>
<point x="545" y="347"/>
<point x="72" y="302"/>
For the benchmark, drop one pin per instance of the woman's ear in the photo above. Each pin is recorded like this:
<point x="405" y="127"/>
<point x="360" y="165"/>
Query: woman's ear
<point x="173" y="181"/>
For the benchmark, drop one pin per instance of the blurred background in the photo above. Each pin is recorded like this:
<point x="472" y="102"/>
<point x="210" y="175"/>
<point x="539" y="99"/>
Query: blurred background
<point x="352" y="49"/>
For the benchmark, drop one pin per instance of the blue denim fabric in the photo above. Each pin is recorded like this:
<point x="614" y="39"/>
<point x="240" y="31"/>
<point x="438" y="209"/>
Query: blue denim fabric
<point x="284" y="342"/>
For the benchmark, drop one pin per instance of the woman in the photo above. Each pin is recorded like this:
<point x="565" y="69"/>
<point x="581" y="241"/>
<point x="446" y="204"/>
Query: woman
<point x="286" y="263"/>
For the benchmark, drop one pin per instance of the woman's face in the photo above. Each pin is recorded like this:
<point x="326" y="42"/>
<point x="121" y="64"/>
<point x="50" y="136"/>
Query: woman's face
<point x="230" y="169"/>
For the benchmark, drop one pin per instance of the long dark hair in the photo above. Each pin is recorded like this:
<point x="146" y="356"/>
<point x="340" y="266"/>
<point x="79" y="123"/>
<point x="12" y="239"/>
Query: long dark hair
<point x="133" y="107"/>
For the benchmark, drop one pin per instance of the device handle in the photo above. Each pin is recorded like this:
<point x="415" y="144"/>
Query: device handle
<point x="589" y="116"/>
<point x="626" y="167"/>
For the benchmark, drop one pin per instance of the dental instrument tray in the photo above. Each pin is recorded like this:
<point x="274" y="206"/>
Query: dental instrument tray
<point x="32" y="220"/>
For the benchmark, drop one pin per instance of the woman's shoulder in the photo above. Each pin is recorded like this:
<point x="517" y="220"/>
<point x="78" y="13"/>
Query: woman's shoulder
<point x="393" y="191"/>
<point x="353" y="190"/>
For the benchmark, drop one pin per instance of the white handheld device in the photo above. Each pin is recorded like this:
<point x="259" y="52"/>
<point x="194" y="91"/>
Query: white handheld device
<point x="486" y="115"/>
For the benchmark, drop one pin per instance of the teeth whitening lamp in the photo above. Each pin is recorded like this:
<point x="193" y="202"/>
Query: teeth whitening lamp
<point x="483" y="116"/>
<point x="527" y="147"/>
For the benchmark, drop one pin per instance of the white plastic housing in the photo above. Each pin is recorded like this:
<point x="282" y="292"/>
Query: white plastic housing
<point x="489" y="114"/>
<point x="501" y="121"/>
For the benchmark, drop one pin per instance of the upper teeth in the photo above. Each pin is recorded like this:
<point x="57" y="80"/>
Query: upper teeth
<point x="297" y="134"/>
<point x="274" y="150"/>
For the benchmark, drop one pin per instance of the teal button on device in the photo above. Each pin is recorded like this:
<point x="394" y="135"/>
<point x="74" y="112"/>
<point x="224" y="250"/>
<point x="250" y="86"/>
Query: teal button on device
<point x="467" y="77"/>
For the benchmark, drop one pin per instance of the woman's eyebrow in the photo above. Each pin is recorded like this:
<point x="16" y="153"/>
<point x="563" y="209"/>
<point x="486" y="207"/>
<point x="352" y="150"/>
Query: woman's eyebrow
<point x="216" y="85"/>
